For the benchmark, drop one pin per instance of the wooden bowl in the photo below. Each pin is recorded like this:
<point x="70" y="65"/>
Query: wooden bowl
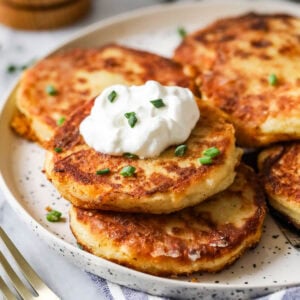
<point x="26" y="14"/>
<point x="38" y="3"/>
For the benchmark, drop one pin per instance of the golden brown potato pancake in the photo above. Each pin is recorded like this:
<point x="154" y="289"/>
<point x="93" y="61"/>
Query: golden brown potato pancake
<point x="280" y="171"/>
<point x="76" y="76"/>
<point x="160" y="185"/>
<point x="207" y="237"/>
<point x="249" y="67"/>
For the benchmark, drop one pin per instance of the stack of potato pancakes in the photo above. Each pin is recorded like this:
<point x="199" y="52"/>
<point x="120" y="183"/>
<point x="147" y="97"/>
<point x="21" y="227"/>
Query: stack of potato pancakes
<point x="176" y="215"/>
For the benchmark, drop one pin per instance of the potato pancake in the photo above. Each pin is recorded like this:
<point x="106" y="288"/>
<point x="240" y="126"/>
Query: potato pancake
<point x="248" y="66"/>
<point x="280" y="171"/>
<point x="207" y="237"/>
<point x="160" y="185"/>
<point x="51" y="90"/>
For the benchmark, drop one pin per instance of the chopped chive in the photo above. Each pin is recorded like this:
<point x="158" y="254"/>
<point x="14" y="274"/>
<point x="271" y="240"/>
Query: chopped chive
<point x="58" y="150"/>
<point x="158" y="103"/>
<point x="51" y="90"/>
<point x="112" y="96"/>
<point x="53" y="216"/>
<point x="60" y="121"/>
<point x="14" y="68"/>
<point x="130" y="155"/>
<point x="11" y="69"/>
<point x="103" y="171"/>
<point x="211" y="152"/>
<point x="79" y="246"/>
<point x="273" y="80"/>
<point x="205" y="160"/>
<point x="180" y="150"/>
<point x="127" y="171"/>
<point x="132" y="119"/>
<point x="182" y="32"/>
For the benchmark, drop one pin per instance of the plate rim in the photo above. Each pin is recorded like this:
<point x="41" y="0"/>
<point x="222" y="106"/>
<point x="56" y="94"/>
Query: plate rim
<point x="45" y="233"/>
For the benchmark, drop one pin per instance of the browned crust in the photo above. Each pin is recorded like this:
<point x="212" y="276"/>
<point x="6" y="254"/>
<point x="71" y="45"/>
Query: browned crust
<point x="78" y="163"/>
<point x="224" y="30"/>
<point x="187" y="232"/>
<point x="226" y="85"/>
<point x="21" y="125"/>
<point x="63" y="70"/>
<point x="279" y="170"/>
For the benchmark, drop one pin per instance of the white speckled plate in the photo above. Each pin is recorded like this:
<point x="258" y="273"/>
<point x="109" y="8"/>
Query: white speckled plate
<point x="269" y="267"/>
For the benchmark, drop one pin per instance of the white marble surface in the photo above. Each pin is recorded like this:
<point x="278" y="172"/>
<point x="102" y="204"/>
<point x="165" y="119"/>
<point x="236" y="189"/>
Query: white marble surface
<point x="20" y="47"/>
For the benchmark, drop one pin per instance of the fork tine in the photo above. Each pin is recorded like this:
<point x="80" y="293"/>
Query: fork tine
<point x="6" y="291"/>
<point x="18" y="284"/>
<point x="39" y="286"/>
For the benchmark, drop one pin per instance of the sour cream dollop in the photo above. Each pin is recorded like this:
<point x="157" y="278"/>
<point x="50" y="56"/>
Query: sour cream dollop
<point x="108" y="131"/>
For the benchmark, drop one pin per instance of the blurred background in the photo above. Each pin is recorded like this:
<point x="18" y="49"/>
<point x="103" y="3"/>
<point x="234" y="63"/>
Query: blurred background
<point x="31" y="28"/>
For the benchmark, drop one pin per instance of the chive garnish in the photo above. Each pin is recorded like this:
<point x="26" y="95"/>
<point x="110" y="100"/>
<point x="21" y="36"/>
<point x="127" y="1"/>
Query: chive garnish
<point x="58" y="150"/>
<point x="205" y="160"/>
<point x="14" y="68"/>
<point x="130" y="155"/>
<point x="51" y="90"/>
<point x="60" y="121"/>
<point x="211" y="152"/>
<point x="132" y="119"/>
<point x="11" y="69"/>
<point x="112" y="96"/>
<point x="79" y="246"/>
<point x="273" y="80"/>
<point x="182" y="32"/>
<point x="103" y="171"/>
<point x="127" y="171"/>
<point x="53" y="216"/>
<point x="158" y="103"/>
<point x="208" y="155"/>
<point x="180" y="150"/>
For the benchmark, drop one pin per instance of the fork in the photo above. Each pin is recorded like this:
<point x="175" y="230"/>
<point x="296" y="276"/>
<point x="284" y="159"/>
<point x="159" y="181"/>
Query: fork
<point x="41" y="289"/>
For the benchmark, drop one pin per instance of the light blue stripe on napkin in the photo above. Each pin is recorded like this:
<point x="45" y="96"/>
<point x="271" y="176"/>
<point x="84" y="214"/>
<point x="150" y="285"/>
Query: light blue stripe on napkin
<point x="113" y="291"/>
<point x="288" y="294"/>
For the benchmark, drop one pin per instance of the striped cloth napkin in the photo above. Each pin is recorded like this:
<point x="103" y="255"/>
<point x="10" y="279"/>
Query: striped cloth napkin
<point x="111" y="291"/>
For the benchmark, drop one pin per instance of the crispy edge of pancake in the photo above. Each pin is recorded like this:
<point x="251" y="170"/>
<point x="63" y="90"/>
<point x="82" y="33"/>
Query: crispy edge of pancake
<point x="22" y="126"/>
<point x="81" y="191"/>
<point x="41" y="126"/>
<point x="159" y="203"/>
<point x="282" y="194"/>
<point x="268" y="130"/>
<point x="133" y="247"/>
<point x="253" y="21"/>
